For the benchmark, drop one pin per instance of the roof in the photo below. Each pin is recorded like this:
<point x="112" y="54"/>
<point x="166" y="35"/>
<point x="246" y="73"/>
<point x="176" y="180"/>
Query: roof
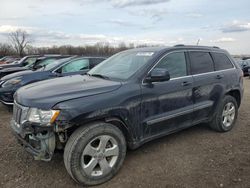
<point x="180" y="46"/>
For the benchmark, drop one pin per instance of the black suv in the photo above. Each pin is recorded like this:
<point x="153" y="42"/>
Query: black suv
<point x="131" y="98"/>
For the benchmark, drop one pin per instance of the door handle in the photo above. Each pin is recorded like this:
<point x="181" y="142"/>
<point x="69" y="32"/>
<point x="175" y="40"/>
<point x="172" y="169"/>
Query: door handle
<point x="186" y="83"/>
<point x="219" y="76"/>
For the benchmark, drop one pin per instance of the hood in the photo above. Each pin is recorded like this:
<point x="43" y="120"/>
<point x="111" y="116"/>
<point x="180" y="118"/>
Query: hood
<point x="10" y="65"/>
<point x="13" y="69"/>
<point x="48" y="93"/>
<point x="17" y="74"/>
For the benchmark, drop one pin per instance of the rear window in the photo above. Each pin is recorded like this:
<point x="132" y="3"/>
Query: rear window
<point x="201" y="62"/>
<point x="221" y="61"/>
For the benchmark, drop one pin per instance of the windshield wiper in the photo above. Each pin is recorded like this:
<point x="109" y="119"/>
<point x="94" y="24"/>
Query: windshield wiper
<point x="99" y="76"/>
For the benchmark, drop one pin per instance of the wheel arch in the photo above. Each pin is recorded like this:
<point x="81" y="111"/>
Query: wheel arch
<point x="118" y="122"/>
<point x="114" y="120"/>
<point x="236" y="94"/>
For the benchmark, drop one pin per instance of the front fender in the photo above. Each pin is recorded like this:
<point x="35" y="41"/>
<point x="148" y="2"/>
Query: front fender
<point x="116" y="104"/>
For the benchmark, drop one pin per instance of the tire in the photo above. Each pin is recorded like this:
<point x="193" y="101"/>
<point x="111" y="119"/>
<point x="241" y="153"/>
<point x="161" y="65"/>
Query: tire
<point x="85" y="148"/>
<point x="218" y="124"/>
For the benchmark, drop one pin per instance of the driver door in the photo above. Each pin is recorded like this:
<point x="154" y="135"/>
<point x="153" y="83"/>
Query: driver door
<point x="168" y="106"/>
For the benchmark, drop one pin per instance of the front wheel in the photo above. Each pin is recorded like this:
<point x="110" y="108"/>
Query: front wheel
<point x="94" y="154"/>
<point x="226" y="116"/>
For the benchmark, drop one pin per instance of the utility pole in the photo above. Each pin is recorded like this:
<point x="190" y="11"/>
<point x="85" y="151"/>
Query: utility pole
<point x="198" y="42"/>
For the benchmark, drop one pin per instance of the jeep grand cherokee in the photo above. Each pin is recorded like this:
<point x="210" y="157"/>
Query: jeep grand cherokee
<point x="129" y="99"/>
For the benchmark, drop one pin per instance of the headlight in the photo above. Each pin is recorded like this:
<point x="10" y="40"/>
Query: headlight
<point x="42" y="116"/>
<point x="11" y="82"/>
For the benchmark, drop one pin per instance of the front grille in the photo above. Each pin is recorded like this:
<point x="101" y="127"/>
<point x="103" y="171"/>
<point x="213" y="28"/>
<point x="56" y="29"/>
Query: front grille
<point x="19" y="113"/>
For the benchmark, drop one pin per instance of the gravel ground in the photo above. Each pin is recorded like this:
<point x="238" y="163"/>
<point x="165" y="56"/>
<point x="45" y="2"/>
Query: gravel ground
<point x="196" y="157"/>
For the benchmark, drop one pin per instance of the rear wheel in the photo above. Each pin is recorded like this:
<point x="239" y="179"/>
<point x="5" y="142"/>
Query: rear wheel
<point x="226" y="116"/>
<point x="94" y="154"/>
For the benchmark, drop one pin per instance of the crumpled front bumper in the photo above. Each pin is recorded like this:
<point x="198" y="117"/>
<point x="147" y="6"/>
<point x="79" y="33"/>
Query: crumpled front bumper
<point x="39" y="141"/>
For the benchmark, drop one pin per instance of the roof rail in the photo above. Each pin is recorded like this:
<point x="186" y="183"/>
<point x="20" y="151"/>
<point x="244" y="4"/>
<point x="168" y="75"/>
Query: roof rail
<point x="216" y="47"/>
<point x="179" y="45"/>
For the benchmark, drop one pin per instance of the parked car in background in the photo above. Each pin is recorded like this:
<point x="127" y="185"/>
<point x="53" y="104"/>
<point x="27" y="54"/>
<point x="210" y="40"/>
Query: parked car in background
<point x="245" y="66"/>
<point x="2" y="60"/>
<point x="21" y="63"/>
<point x="12" y="60"/>
<point x="28" y="60"/>
<point x="45" y="70"/>
<point x="33" y="64"/>
<point x="7" y="59"/>
<point x="131" y="98"/>
<point x="246" y="58"/>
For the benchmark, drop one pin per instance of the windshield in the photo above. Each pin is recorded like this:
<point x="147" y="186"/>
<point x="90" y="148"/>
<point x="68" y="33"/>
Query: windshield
<point x="29" y="61"/>
<point x="122" y="66"/>
<point x="244" y="63"/>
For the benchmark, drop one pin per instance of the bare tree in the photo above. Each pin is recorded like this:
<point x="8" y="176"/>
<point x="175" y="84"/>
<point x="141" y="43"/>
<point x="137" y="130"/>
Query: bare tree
<point x="6" y="49"/>
<point x="19" y="40"/>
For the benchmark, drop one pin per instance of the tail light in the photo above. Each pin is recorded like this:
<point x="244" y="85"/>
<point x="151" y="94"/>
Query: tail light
<point x="242" y="74"/>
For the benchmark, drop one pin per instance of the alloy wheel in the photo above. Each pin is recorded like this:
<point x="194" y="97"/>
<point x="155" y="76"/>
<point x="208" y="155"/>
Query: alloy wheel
<point x="228" y="114"/>
<point x="99" y="156"/>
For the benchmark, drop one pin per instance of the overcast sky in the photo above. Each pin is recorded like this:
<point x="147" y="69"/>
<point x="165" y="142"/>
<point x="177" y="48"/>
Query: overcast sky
<point x="224" y="23"/>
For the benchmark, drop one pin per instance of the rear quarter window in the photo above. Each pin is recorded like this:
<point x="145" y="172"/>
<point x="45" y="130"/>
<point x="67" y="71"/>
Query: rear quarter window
<point x="201" y="62"/>
<point x="221" y="61"/>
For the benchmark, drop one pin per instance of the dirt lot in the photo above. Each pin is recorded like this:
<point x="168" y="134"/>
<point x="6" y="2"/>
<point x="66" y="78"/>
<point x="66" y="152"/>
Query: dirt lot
<point x="197" y="157"/>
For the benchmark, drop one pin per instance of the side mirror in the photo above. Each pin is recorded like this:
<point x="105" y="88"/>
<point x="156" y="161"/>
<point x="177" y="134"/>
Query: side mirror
<point x="58" y="74"/>
<point x="158" y="75"/>
<point x="35" y="67"/>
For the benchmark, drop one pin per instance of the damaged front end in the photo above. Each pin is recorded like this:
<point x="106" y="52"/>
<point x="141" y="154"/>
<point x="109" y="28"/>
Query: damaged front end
<point x="37" y="139"/>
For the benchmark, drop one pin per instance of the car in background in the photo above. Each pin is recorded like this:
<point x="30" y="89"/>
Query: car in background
<point x="28" y="60"/>
<point x="246" y="58"/>
<point x="33" y="64"/>
<point x="245" y="66"/>
<point x="12" y="60"/>
<point x="21" y="63"/>
<point x="2" y="60"/>
<point x="7" y="59"/>
<point x="59" y="68"/>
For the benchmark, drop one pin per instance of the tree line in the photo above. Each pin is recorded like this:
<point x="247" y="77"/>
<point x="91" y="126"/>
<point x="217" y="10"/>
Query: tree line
<point x="20" y="45"/>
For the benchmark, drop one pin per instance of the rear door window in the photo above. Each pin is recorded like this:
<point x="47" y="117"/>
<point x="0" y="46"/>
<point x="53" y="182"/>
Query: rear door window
<point x="201" y="62"/>
<point x="221" y="61"/>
